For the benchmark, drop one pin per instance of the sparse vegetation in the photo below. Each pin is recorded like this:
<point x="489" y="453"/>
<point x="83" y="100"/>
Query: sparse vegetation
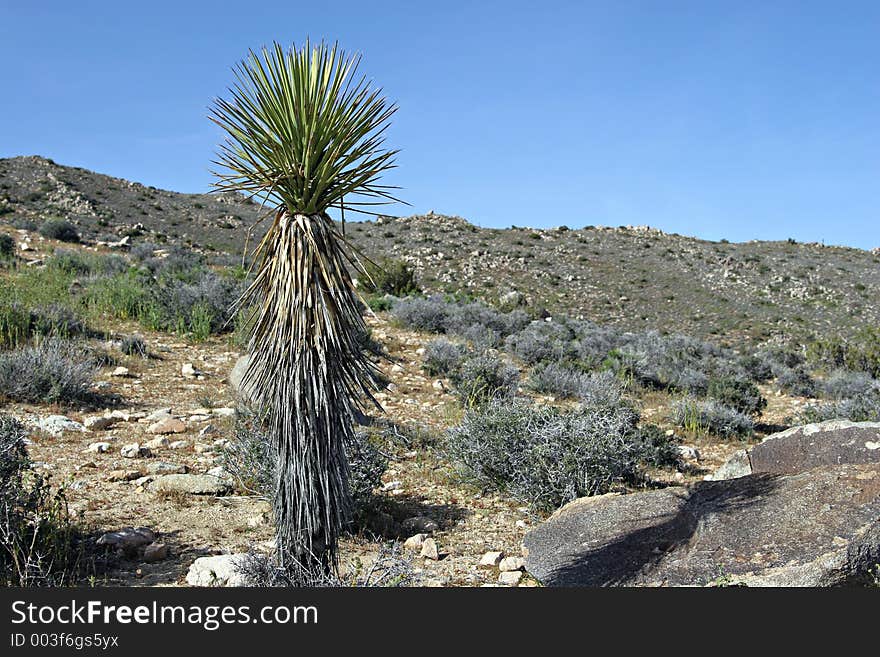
<point x="38" y="541"/>
<point x="51" y="371"/>
<point x="710" y="416"/>
<point x="389" y="276"/>
<point x="547" y="457"/>
<point x="59" y="229"/>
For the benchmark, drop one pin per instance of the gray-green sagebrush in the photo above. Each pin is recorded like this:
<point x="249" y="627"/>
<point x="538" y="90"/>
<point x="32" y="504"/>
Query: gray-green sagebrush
<point x="305" y="134"/>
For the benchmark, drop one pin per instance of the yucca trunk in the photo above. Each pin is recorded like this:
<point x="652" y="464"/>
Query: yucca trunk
<point x="309" y="373"/>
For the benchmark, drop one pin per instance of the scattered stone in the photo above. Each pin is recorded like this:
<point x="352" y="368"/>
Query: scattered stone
<point x="415" y="542"/>
<point x="221" y="570"/>
<point x="208" y="430"/>
<point x="120" y="372"/>
<point x="198" y="417"/>
<point x="178" y="444"/>
<point x="219" y="471"/>
<point x="814" y="528"/>
<point x="419" y="524"/>
<point x="438" y="385"/>
<point x="189" y="371"/>
<point x="430" y="550"/>
<point x="167" y="425"/>
<point x="155" y="552"/>
<point x="510" y="577"/>
<point x="126" y="416"/>
<point x="224" y="411"/>
<point x="128" y="539"/>
<point x="201" y="448"/>
<point x="687" y="452"/>
<point x="511" y="564"/>
<point x="164" y="468"/>
<point x="392" y="485"/>
<point x="158" y="443"/>
<point x="220" y="443"/>
<point x="98" y="448"/>
<point x="259" y="520"/>
<point x="123" y="475"/>
<point x="191" y="484"/>
<point x="134" y="451"/>
<point x="396" y="369"/>
<point x="99" y="422"/>
<point x="160" y="414"/>
<point x="55" y="425"/>
<point x="490" y="559"/>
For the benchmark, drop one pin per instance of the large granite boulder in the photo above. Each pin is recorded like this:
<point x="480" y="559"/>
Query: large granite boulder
<point x="815" y="528"/>
<point x="801" y="448"/>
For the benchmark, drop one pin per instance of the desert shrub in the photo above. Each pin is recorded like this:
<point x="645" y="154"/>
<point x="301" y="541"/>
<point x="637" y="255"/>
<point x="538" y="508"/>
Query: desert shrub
<point x="367" y="464"/>
<point x="125" y="296"/>
<point x="561" y="381"/>
<point x="391" y="568"/>
<point x="861" y="353"/>
<point x="779" y="358"/>
<point x="409" y="436"/>
<point x="864" y="407"/>
<point x="134" y="345"/>
<point x="738" y="394"/>
<point x="59" y="229"/>
<point x="56" y="320"/>
<point x="593" y="343"/>
<point x="178" y="262"/>
<point x="23" y="223"/>
<point x="15" y="324"/>
<point x="540" y="342"/>
<point x="474" y="321"/>
<point x="143" y="251"/>
<point x="844" y="384"/>
<point x="52" y="371"/>
<point x="548" y="457"/>
<point x="7" y="246"/>
<point x="429" y="314"/>
<point x="37" y="539"/>
<point x="18" y="323"/>
<point x="389" y="277"/>
<point x="675" y="362"/>
<point x="201" y="307"/>
<point x="476" y="318"/>
<point x="711" y="416"/>
<point x="484" y="377"/>
<point x="796" y="381"/>
<point x="78" y="263"/>
<point x="756" y="368"/>
<point x="251" y="462"/>
<point x="442" y="357"/>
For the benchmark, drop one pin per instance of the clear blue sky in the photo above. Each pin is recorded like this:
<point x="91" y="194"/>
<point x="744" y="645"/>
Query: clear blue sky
<point x="738" y="120"/>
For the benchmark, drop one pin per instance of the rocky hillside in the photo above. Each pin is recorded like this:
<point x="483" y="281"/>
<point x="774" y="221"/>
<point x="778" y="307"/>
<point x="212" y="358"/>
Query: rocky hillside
<point x="629" y="277"/>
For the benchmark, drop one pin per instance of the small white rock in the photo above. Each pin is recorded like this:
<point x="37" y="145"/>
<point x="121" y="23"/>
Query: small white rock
<point x="511" y="564"/>
<point x="510" y="578"/>
<point x="430" y="550"/>
<point x="491" y="559"/>
<point x="415" y="542"/>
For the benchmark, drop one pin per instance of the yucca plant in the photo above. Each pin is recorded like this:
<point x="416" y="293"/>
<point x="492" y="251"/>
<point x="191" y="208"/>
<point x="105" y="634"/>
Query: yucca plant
<point x="305" y="134"/>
